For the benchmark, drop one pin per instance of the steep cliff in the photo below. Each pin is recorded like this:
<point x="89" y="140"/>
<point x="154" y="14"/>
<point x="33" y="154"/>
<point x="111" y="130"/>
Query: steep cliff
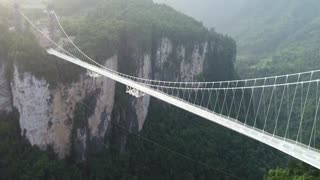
<point x="47" y="115"/>
<point x="5" y="94"/>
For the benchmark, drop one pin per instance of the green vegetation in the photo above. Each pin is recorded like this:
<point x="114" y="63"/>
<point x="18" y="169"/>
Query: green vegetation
<point x="295" y="171"/>
<point x="71" y="6"/>
<point x="19" y="160"/>
<point x="181" y="132"/>
<point x="28" y="56"/>
<point x="127" y="27"/>
<point x="277" y="37"/>
<point x="118" y="24"/>
<point x="200" y="140"/>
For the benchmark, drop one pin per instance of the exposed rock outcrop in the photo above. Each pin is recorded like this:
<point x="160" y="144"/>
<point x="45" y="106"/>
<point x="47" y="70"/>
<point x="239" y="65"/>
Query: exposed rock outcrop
<point x="190" y="70"/>
<point x="5" y="94"/>
<point x="47" y="115"/>
<point x="142" y="104"/>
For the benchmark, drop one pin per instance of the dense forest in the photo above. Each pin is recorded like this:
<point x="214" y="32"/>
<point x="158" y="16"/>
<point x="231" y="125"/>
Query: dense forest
<point x="173" y="144"/>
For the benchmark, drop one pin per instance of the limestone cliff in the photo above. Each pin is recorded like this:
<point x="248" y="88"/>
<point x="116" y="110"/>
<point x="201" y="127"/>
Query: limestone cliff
<point x="5" y="94"/>
<point x="47" y="115"/>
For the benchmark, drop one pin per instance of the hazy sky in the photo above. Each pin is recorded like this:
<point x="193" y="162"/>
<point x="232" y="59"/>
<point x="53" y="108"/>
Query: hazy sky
<point x="210" y="12"/>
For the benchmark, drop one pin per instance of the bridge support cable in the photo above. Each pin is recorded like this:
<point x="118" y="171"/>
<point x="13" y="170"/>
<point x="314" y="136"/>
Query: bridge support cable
<point x="291" y="108"/>
<point x="270" y="101"/>
<point x="275" y="106"/>
<point x="233" y="101"/>
<point x="315" y="123"/>
<point x="196" y="91"/>
<point x="313" y="131"/>
<point x="280" y="106"/>
<point x="202" y="96"/>
<point x="259" y="104"/>
<point x="242" y="97"/>
<point x="209" y="99"/>
<point x="304" y="107"/>
<point x="249" y="106"/>
<point x="44" y="35"/>
<point x="217" y="99"/>
<point x="179" y="91"/>
<point x="225" y="98"/>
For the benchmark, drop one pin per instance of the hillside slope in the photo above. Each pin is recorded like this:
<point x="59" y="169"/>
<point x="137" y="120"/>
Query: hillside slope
<point x="276" y="36"/>
<point x="213" y="13"/>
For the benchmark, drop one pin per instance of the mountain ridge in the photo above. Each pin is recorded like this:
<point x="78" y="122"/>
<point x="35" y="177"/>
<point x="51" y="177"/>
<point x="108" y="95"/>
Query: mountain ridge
<point x="271" y="34"/>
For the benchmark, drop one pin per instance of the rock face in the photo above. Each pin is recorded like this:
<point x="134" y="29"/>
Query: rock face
<point x="31" y="97"/>
<point x="75" y="117"/>
<point x="159" y="66"/>
<point x="5" y="94"/>
<point x="163" y="52"/>
<point x="170" y="58"/>
<point x="47" y="115"/>
<point x="142" y="104"/>
<point x="189" y="70"/>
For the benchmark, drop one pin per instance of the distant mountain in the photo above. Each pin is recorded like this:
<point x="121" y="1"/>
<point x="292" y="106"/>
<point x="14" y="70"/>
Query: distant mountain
<point x="276" y="36"/>
<point x="213" y="13"/>
<point x="270" y="24"/>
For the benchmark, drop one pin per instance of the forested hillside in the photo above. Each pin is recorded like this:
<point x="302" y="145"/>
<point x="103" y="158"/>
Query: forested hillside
<point x="213" y="13"/>
<point x="276" y="37"/>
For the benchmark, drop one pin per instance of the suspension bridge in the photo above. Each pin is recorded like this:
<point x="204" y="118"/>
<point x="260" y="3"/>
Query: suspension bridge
<point x="279" y="111"/>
